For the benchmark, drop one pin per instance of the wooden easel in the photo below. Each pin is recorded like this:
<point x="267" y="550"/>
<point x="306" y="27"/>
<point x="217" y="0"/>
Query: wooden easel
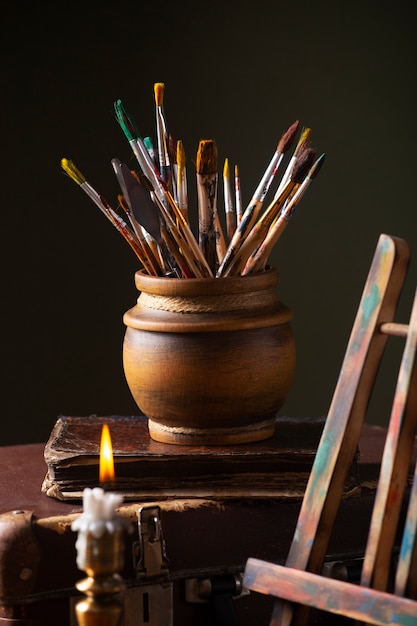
<point x="300" y="580"/>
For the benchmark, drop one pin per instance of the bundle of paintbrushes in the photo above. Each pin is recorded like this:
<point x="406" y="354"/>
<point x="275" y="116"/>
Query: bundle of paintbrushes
<point x="154" y="200"/>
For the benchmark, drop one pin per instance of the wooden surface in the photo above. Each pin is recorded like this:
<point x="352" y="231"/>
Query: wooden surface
<point x="203" y="537"/>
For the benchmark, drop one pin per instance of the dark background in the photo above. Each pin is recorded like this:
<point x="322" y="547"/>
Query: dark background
<point x="237" y="72"/>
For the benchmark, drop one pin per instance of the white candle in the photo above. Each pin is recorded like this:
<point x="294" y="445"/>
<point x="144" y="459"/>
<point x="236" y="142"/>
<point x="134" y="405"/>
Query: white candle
<point x="99" y="517"/>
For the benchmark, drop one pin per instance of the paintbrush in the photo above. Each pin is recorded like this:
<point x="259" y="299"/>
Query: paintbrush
<point x="229" y="210"/>
<point x="181" y="251"/>
<point x="127" y="183"/>
<point x="221" y="245"/>
<point x="206" y="170"/>
<point x="259" y="231"/>
<point x="255" y="205"/>
<point x="159" y="188"/>
<point x="148" y="143"/>
<point x="172" y="149"/>
<point x="165" y="166"/>
<point x="139" y="149"/>
<point x="157" y="252"/>
<point x="238" y="197"/>
<point x="153" y="216"/>
<point x="174" y="241"/>
<point x="182" y="188"/>
<point x="145" y="212"/>
<point x="70" y="168"/>
<point x="151" y="261"/>
<point x="258" y="260"/>
<point x="302" y="144"/>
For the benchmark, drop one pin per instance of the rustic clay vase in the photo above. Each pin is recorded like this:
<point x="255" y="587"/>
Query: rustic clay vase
<point x="209" y="361"/>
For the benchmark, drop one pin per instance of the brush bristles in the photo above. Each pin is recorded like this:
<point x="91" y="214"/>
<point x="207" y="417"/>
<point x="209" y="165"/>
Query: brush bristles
<point x="180" y="154"/>
<point x="159" y="89"/>
<point x="304" y="140"/>
<point x="148" y="143"/>
<point x="206" y="163"/>
<point x="226" y="168"/>
<point x="69" y="167"/>
<point x="126" y="121"/>
<point x="317" y="166"/>
<point x="287" y="138"/>
<point x="303" y="164"/>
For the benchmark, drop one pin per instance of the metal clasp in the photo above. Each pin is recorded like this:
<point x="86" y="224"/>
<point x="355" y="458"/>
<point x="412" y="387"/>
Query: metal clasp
<point x="150" y="602"/>
<point x="151" y="559"/>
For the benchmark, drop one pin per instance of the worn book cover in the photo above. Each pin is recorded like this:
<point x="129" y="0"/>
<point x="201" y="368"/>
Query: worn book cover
<point x="147" y="469"/>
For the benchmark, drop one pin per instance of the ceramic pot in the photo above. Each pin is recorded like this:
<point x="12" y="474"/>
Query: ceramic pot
<point x="209" y="361"/>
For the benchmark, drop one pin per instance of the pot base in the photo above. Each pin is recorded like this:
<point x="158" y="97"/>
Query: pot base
<point x="211" y="436"/>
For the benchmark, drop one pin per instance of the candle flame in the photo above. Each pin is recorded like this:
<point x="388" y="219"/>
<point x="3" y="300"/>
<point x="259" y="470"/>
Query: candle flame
<point x="106" y="470"/>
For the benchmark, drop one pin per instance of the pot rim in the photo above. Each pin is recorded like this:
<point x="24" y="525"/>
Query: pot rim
<point x="162" y="285"/>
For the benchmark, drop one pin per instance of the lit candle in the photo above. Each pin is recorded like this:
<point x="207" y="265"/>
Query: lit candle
<point x="100" y="528"/>
<point x="99" y="519"/>
<point x="100" y="547"/>
<point x="106" y="468"/>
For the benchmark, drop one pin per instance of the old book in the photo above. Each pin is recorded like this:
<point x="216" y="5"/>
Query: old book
<point x="146" y="469"/>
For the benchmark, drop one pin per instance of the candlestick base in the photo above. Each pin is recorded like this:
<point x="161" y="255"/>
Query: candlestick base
<point x="102" y="605"/>
<point x="100" y="555"/>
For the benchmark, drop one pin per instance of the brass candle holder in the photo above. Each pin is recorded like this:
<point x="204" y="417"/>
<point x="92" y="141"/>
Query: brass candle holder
<point x="100" y="553"/>
<point x="103" y="587"/>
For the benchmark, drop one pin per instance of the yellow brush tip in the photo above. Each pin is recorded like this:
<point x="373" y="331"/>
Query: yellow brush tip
<point x="159" y="89"/>
<point x="226" y="169"/>
<point x="69" y="167"/>
<point x="304" y="137"/>
<point x="180" y="154"/>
